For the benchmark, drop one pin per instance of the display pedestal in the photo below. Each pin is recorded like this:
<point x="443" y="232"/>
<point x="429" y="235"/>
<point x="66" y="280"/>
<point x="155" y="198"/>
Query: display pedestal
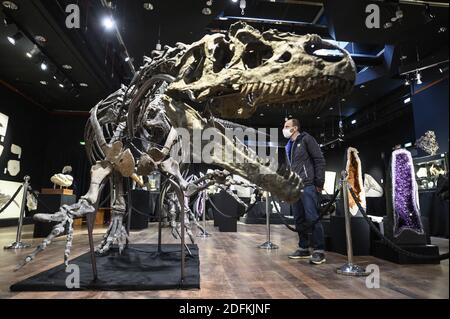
<point x="50" y="204"/>
<point x="227" y="206"/>
<point x="382" y="251"/>
<point x="143" y="208"/>
<point x="257" y="215"/>
<point x="360" y="236"/>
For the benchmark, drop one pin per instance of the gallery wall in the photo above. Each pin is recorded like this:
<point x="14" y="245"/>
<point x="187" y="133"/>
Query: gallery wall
<point x="23" y="138"/>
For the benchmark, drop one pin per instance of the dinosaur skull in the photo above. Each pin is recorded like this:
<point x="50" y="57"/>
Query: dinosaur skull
<point x="238" y="73"/>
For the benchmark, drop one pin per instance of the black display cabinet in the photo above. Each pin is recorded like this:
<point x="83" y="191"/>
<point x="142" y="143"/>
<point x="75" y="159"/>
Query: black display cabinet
<point x="50" y="204"/>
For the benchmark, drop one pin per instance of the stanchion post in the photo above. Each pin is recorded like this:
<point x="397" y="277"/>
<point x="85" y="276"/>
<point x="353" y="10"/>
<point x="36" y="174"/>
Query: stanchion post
<point x="268" y="244"/>
<point x="204" y="233"/>
<point x="18" y="243"/>
<point x="349" y="268"/>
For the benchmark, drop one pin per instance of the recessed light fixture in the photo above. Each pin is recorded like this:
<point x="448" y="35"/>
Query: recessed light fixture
<point x="318" y="117"/>
<point x="44" y="66"/>
<point x="67" y="67"/>
<point x="362" y="86"/>
<point x="442" y="29"/>
<point x="10" y="5"/>
<point x="407" y="82"/>
<point x="41" y="39"/>
<point x="148" y="6"/>
<point x="403" y="57"/>
<point x="127" y="59"/>
<point x="29" y="55"/>
<point x="61" y="85"/>
<point x="353" y="122"/>
<point x="108" y="23"/>
<point x="84" y="85"/>
<point x="43" y="82"/>
<point x="331" y="108"/>
<point x="343" y="100"/>
<point x="16" y="37"/>
<point x="407" y="100"/>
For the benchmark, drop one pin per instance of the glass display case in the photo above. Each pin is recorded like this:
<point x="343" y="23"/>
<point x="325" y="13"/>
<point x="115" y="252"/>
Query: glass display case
<point x="428" y="169"/>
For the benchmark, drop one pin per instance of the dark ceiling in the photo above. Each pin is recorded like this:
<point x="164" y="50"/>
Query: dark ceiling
<point x="97" y="57"/>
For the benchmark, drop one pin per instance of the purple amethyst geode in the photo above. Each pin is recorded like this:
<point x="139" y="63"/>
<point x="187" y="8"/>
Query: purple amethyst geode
<point x="405" y="194"/>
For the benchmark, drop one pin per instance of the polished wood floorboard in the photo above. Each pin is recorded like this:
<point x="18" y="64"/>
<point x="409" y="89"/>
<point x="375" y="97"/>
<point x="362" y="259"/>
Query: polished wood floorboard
<point x="232" y="266"/>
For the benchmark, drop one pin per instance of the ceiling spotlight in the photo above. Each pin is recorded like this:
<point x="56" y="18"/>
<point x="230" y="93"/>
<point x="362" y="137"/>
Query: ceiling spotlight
<point x="318" y="117"/>
<point x="442" y="30"/>
<point x="108" y="23"/>
<point x="331" y="108"/>
<point x="234" y="1"/>
<point x="262" y="114"/>
<point x="290" y="116"/>
<point x="353" y="122"/>
<point x="44" y="66"/>
<point x="127" y="59"/>
<point x="33" y="52"/>
<point x="61" y="85"/>
<point x="429" y="16"/>
<point x="10" y="5"/>
<point x="407" y="100"/>
<point x="16" y="37"/>
<point x="362" y="86"/>
<point x="243" y="5"/>
<point x="43" y="82"/>
<point x="41" y="39"/>
<point x="84" y="85"/>
<point x="148" y="6"/>
<point x="407" y="82"/>
<point x="67" y="67"/>
<point x="206" y="11"/>
<point x="29" y="55"/>
<point x="419" y="78"/>
<point x="443" y="70"/>
<point x="388" y="25"/>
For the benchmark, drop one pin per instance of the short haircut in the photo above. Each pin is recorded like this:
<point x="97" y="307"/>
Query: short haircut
<point x="296" y="122"/>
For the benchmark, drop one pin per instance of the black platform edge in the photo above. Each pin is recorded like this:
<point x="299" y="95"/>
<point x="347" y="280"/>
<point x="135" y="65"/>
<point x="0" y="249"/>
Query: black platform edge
<point x="382" y="251"/>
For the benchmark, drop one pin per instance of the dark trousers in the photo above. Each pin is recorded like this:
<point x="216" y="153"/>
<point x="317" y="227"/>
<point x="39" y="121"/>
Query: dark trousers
<point x="305" y="213"/>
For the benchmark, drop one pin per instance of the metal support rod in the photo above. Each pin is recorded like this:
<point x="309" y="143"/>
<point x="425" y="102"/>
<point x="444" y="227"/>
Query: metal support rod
<point x="90" y="219"/>
<point x="268" y="244"/>
<point x="204" y="233"/>
<point x="18" y="243"/>
<point x="182" y="213"/>
<point x="348" y="269"/>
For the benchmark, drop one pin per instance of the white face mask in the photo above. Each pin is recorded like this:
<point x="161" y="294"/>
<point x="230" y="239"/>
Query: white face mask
<point x="287" y="132"/>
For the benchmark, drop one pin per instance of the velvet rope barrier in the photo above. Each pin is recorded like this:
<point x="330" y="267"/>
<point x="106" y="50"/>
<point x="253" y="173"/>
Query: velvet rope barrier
<point x="11" y="199"/>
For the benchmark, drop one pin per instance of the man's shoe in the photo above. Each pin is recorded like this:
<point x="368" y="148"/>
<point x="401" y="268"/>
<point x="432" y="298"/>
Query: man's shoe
<point x="300" y="254"/>
<point x="317" y="258"/>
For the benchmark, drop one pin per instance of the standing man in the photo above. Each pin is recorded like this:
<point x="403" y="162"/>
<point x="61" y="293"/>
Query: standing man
<point x="306" y="159"/>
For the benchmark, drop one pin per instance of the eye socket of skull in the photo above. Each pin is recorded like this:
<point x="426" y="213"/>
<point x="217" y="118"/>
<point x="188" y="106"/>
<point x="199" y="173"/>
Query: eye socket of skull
<point x="194" y="71"/>
<point x="255" y="54"/>
<point x="322" y="50"/>
<point x="222" y="56"/>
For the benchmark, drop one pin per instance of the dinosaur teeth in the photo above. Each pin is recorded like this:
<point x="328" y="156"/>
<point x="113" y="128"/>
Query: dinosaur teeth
<point x="273" y="87"/>
<point x="286" y="87"/>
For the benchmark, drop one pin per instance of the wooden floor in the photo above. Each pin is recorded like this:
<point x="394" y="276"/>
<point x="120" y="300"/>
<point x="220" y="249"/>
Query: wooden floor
<point x="232" y="267"/>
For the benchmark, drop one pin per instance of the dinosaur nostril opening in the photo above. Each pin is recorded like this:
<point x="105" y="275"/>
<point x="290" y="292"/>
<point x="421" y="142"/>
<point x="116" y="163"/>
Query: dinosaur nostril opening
<point x="285" y="57"/>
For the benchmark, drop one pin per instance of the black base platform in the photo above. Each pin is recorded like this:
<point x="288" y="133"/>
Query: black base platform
<point x="140" y="267"/>
<point x="382" y="251"/>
